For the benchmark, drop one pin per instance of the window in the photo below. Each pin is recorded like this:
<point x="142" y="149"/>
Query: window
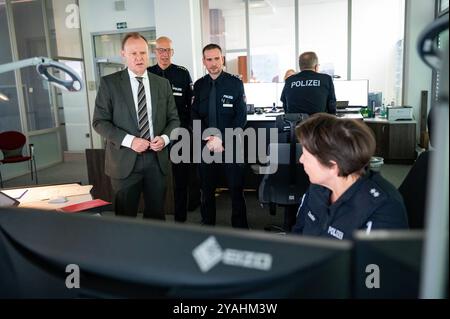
<point x="325" y="33"/>
<point x="9" y="105"/>
<point x="31" y="42"/>
<point x="227" y="28"/>
<point x="377" y="46"/>
<point x="277" y="34"/>
<point x="272" y="39"/>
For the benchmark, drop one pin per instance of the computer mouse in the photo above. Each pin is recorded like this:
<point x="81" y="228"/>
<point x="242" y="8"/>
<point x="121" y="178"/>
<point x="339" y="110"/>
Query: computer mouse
<point x="58" y="200"/>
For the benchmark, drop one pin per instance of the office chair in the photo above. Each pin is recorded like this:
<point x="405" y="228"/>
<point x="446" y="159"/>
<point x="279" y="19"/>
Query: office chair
<point x="286" y="186"/>
<point x="11" y="145"/>
<point x="415" y="185"/>
<point x="414" y="190"/>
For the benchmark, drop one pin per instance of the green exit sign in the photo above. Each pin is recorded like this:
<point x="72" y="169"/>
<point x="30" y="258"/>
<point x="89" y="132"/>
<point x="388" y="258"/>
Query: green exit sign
<point x="121" y="25"/>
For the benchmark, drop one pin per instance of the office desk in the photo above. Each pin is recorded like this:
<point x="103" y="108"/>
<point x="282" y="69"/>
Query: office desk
<point x="38" y="197"/>
<point x="271" y="117"/>
<point x="396" y="140"/>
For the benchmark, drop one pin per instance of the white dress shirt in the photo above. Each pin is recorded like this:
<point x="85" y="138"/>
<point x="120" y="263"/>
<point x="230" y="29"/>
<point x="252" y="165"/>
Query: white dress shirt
<point x="128" y="140"/>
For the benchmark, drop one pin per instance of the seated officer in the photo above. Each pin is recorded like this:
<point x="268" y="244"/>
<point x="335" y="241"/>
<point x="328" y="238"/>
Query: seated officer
<point x="309" y="91"/>
<point x="344" y="196"/>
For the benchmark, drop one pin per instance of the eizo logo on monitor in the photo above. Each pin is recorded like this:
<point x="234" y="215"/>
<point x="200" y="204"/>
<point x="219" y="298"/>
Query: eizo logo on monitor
<point x="209" y="253"/>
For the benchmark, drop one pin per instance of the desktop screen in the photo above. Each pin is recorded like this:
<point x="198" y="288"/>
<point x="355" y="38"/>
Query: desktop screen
<point x="261" y="94"/>
<point x="354" y="91"/>
<point x="123" y="257"/>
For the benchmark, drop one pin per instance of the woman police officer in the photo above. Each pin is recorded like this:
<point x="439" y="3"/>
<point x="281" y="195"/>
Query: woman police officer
<point x="344" y="195"/>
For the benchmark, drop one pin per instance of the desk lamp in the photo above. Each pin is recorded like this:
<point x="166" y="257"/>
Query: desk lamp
<point x="43" y="66"/>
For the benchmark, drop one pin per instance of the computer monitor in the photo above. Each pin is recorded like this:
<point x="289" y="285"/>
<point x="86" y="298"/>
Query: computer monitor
<point x="124" y="257"/>
<point x="387" y="264"/>
<point x="353" y="91"/>
<point x="280" y="87"/>
<point x="261" y="94"/>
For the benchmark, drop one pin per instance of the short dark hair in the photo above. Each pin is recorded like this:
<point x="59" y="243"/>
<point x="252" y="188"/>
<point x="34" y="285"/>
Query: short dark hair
<point x="348" y="142"/>
<point x="211" y="46"/>
<point x="308" y="60"/>
<point x="132" y="35"/>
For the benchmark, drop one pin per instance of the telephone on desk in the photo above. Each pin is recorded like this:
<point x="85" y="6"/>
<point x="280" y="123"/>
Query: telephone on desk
<point x="274" y="109"/>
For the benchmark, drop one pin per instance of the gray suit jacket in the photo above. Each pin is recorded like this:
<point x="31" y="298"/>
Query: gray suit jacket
<point x="115" y="117"/>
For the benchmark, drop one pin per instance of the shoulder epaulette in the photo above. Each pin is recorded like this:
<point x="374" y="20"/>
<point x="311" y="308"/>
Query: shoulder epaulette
<point x="182" y="68"/>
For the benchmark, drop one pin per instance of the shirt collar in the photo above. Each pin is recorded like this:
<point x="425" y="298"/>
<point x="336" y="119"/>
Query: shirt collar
<point x="133" y="75"/>
<point x="218" y="79"/>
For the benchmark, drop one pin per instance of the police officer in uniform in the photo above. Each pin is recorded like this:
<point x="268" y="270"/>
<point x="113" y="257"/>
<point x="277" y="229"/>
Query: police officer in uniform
<point x="219" y="102"/>
<point x="344" y="196"/>
<point x="184" y="173"/>
<point x="309" y="91"/>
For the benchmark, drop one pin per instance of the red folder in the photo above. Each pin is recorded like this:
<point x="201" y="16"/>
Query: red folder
<point x="84" y="206"/>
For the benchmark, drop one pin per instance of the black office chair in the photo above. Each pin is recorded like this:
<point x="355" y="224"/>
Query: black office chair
<point x="414" y="190"/>
<point x="414" y="187"/>
<point x="286" y="186"/>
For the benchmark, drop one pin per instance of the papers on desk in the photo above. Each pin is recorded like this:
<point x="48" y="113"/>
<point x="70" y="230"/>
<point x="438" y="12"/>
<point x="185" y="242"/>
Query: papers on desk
<point x="16" y="193"/>
<point x="41" y="193"/>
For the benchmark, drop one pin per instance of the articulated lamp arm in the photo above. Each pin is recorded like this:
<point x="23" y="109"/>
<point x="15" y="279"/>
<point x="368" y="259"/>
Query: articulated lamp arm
<point x="43" y="66"/>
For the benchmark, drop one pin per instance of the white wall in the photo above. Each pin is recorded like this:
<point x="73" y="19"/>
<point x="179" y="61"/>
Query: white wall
<point x="101" y="16"/>
<point x="418" y="76"/>
<point x="180" y="20"/>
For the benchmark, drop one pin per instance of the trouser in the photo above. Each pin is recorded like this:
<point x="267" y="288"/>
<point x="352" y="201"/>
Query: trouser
<point x="186" y="189"/>
<point x="147" y="178"/>
<point x="290" y="217"/>
<point x="235" y="178"/>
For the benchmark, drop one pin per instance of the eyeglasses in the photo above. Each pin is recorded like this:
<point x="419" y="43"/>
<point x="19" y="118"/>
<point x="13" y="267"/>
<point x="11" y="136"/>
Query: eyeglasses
<point x="162" y="50"/>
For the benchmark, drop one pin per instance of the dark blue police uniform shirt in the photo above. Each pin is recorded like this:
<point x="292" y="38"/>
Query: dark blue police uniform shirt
<point x="231" y="107"/>
<point x="370" y="202"/>
<point x="181" y="82"/>
<point x="309" y="92"/>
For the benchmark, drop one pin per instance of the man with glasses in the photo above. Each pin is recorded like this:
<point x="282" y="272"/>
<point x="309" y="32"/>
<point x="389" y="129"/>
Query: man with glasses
<point x="184" y="174"/>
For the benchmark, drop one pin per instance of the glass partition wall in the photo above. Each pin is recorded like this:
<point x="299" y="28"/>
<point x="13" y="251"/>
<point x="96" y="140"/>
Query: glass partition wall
<point x="48" y="28"/>
<point x="262" y="39"/>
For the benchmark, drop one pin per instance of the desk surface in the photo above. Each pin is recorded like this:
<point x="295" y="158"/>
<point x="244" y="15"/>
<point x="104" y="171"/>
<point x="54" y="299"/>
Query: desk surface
<point x="385" y="120"/>
<point x="267" y="117"/>
<point x="38" y="197"/>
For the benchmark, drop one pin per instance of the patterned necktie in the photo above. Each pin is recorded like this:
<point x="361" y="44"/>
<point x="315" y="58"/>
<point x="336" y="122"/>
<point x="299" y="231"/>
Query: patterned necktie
<point x="212" y="112"/>
<point x="143" y="124"/>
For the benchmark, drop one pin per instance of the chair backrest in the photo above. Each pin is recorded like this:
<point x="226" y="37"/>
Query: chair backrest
<point x="277" y="187"/>
<point x="414" y="191"/>
<point x="11" y="140"/>
<point x="11" y="143"/>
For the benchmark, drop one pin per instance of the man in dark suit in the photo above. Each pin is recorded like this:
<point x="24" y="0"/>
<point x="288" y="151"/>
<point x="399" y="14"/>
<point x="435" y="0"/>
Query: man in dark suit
<point x="135" y="112"/>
